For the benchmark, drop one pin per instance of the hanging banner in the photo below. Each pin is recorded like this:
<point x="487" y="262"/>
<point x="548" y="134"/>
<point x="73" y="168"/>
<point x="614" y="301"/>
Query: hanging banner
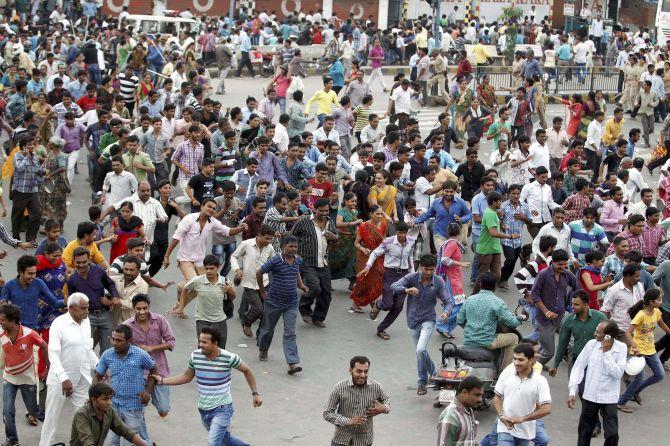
<point x="489" y="11"/>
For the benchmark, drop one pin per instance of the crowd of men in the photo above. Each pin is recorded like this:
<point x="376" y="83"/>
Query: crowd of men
<point x="275" y="199"/>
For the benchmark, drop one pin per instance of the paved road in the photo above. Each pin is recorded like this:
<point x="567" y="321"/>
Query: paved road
<point x="292" y="410"/>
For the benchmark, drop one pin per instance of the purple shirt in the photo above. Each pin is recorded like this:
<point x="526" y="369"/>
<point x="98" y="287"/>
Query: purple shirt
<point x="71" y="135"/>
<point x="158" y="332"/>
<point x="94" y="286"/>
<point x="553" y="294"/>
<point x="376" y="52"/>
<point x="269" y="167"/>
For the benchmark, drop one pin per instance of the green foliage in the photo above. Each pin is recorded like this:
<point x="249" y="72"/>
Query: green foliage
<point x="511" y="15"/>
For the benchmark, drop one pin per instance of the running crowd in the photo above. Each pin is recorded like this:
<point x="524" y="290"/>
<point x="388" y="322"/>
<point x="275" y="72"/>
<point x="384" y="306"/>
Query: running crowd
<point x="264" y="207"/>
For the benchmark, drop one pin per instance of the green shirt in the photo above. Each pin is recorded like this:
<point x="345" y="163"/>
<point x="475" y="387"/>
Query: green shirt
<point x="209" y="305"/>
<point x="493" y="128"/>
<point x="487" y="243"/>
<point x="582" y="331"/>
<point x="106" y="140"/>
<point x="479" y="317"/>
<point x="143" y="159"/>
<point x="88" y="429"/>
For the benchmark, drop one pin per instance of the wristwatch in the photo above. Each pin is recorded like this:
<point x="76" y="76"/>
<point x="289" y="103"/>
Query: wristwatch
<point x="255" y="394"/>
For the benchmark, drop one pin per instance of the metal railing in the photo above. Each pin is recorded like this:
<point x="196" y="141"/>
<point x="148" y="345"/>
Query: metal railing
<point x="562" y="80"/>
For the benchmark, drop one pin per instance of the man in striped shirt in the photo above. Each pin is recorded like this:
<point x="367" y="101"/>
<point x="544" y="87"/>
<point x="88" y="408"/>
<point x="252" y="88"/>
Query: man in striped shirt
<point x="128" y="84"/>
<point x="457" y="425"/>
<point x="210" y="365"/>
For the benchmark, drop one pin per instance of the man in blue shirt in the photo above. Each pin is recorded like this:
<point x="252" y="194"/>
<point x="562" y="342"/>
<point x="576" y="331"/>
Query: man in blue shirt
<point x="26" y="291"/>
<point x="281" y="300"/>
<point x="423" y="290"/>
<point x="128" y="365"/>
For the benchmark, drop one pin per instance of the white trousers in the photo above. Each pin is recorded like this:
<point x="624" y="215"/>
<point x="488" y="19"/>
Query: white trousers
<point x="376" y="74"/>
<point x="54" y="405"/>
<point x="72" y="159"/>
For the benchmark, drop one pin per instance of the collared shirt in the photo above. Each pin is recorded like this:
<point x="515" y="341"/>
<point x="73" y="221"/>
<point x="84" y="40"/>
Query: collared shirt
<point x="521" y="397"/>
<point x="190" y="157"/>
<point x="480" y="315"/>
<point x="555" y="142"/>
<point x="126" y="375"/>
<point x="273" y="218"/>
<point x="70" y="350"/>
<point x="635" y="242"/>
<point x="119" y="187"/>
<point x="561" y="235"/>
<point x="158" y="332"/>
<point x="540" y="157"/>
<point x="552" y="293"/>
<point x="60" y="110"/>
<point x="297" y="172"/>
<point x="94" y="286"/>
<point x="540" y="200"/>
<point x="594" y="136"/>
<point x="513" y="226"/>
<point x="127" y="291"/>
<point x="150" y="212"/>
<point x="155" y="146"/>
<point x="602" y="372"/>
<point x="71" y="135"/>
<point x="27" y="299"/>
<point x="17" y="356"/>
<point x="210" y="297"/>
<point x="396" y="255"/>
<point x="651" y="237"/>
<point x="312" y="246"/>
<point x="619" y="299"/>
<point x="444" y="216"/>
<point x="583" y="241"/>
<point x="283" y="280"/>
<point x="457" y="426"/>
<point x="269" y="167"/>
<point x="249" y="258"/>
<point x="613" y="264"/>
<point x="479" y="205"/>
<point x="611" y="131"/>
<point x="193" y="240"/>
<point x="347" y="401"/>
<point x="421" y="308"/>
<point x="143" y="158"/>
<point x="88" y="429"/>
<point x="471" y="178"/>
<point x="27" y="176"/>
<point x="574" y="206"/>
<point x="321" y="135"/>
<point x="581" y="331"/>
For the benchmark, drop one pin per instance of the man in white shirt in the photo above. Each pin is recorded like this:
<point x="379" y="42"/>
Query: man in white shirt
<point x="594" y="134"/>
<point x="600" y="366"/>
<point x="372" y="133"/>
<point x="424" y="190"/>
<point x="521" y="397"/>
<point x="539" y="152"/>
<point x="539" y="198"/>
<point x="61" y="75"/>
<point x="400" y="101"/>
<point x="581" y="51"/>
<point x="558" y="229"/>
<point x="281" y="134"/>
<point x="327" y="132"/>
<point x="72" y="358"/>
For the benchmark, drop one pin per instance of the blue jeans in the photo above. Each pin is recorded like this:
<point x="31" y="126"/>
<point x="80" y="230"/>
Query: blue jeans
<point x="160" y="398"/>
<point x="266" y="331"/>
<point x="94" y="74"/>
<point x="420" y="338"/>
<point x="475" y="265"/>
<point x="29" y="395"/>
<point x="532" y="314"/>
<point x="541" y="437"/>
<point x="282" y="104"/>
<point x="134" y="419"/>
<point x="638" y="384"/>
<point x="449" y="325"/>
<point x="216" y="421"/>
<point x="505" y="439"/>
<point x="581" y="71"/>
<point x="223" y="253"/>
<point x="321" y="117"/>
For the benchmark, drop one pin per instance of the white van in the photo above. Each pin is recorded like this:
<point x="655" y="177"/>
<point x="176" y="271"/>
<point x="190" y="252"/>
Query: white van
<point x="154" y="24"/>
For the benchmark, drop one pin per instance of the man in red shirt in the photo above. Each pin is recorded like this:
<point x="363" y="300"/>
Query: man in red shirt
<point x="321" y="187"/>
<point x="19" y="371"/>
<point x="87" y="102"/>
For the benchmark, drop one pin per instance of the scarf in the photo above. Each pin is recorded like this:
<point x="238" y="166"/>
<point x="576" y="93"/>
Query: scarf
<point x="43" y="263"/>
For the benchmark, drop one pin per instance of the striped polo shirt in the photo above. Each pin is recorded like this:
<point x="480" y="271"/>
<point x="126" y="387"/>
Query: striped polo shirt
<point x="127" y="86"/>
<point x="283" y="281"/>
<point x="213" y="377"/>
<point x="19" y="361"/>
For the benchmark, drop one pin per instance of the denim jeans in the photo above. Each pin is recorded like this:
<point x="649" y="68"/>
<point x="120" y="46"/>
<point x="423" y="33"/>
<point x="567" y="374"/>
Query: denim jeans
<point x="134" y="419"/>
<point x="160" y="398"/>
<point x="29" y="395"/>
<point x="581" y="71"/>
<point x="102" y="325"/>
<point x="541" y="437"/>
<point x="532" y="314"/>
<point x="474" y="268"/>
<point x="282" y="104"/>
<point x="223" y="253"/>
<point x="638" y="384"/>
<point x="505" y="439"/>
<point x="449" y="325"/>
<point x="420" y="338"/>
<point x="216" y="421"/>
<point x="266" y="330"/>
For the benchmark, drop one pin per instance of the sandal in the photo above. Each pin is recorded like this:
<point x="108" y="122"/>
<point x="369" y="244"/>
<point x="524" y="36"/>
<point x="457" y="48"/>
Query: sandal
<point x="385" y="336"/>
<point x="623" y="408"/>
<point x="444" y="334"/>
<point x="421" y="390"/>
<point x="31" y="419"/>
<point x="356" y="309"/>
<point x="374" y="312"/>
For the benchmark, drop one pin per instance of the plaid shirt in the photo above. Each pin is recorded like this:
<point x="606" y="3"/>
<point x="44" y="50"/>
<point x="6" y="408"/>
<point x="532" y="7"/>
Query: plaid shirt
<point x="663" y="253"/>
<point x="27" y="177"/>
<point x="513" y="226"/>
<point x="574" y="207"/>
<point x="613" y="264"/>
<point x="584" y="240"/>
<point x="127" y="375"/>
<point x="569" y="183"/>
<point x="190" y="157"/>
<point x="635" y="242"/>
<point x="651" y="237"/>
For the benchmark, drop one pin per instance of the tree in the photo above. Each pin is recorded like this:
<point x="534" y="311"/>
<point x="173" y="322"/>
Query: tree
<point x="510" y="16"/>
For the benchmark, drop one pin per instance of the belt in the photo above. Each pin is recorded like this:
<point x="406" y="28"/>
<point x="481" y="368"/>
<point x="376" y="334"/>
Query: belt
<point x="99" y="312"/>
<point x="396" y="270"/>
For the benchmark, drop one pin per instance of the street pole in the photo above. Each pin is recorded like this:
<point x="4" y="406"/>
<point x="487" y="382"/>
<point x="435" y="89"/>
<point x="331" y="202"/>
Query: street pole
<point x="437" y="29"/>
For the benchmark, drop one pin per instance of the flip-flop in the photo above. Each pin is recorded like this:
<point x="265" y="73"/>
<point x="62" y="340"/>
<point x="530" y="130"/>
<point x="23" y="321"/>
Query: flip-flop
<point x="31" y="420"/>
<point x="623" y="408"/>
<point x="357" y="309"/>
<point x="384" y="335"/>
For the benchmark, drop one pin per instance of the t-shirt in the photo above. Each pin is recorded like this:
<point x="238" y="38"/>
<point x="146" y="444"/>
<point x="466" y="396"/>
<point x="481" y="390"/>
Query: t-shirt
<point x="487" y="243"/>
<point x="203" y="186"/>
<point x="643" y="336"/>
<point x="612" y="161"/>
<point x="18" y="357"/>
<point x="321" y="190"/>
<point x="117" y="266"/>
<point x="283" y="281"/>
<point x="212" y="377"/>
<point x="493" y="128"/>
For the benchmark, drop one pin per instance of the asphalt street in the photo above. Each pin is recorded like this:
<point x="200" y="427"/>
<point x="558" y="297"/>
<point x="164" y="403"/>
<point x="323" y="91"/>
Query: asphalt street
<point x="292" y="408"/>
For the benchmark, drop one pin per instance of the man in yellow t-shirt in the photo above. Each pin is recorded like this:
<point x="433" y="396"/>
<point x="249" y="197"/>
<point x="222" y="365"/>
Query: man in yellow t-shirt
<point x="325" y="100"/>
<point x="481" y="56"/>
<point x="612" y="130"/>
<point x="85" y="237"/>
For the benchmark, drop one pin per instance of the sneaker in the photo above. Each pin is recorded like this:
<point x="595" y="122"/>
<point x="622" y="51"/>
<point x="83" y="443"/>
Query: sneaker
<point x="263" y="356"/>
<point x="320" y="324"/>
<point x="294" y="368"/>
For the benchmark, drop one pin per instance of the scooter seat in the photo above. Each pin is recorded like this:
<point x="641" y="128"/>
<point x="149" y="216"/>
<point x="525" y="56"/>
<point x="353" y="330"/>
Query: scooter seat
<point x="478" y="354"/>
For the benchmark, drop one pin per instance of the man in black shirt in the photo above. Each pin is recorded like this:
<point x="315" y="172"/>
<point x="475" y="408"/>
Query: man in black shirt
<point x="449" y="133"/>
<point x="472" y="171"/>
<point x="613" y="160"/>
<point x="202" y="185"/>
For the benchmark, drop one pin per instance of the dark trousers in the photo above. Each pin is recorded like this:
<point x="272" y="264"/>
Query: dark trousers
<point x="156" y="254"/>
<point x="318" y="281"/>
<point x="390" y="301"/>
<point x="663" y="344"/>
<point x="534" y="228"/>
<point x="220" y="326"/>
<point x="588" y="419"/>
<point x="593" y="163"/>
<point x="619" y="86"/>
<point x="245" y="61"/>
<point x="21" y="201"/>
<point x="511" y="256"/>
<point x="251" y="307"/>
<point x="658" y="162"/>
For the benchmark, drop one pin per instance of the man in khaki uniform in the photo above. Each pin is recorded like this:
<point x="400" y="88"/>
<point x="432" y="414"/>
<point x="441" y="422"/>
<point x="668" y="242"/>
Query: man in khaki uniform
<point x="439" y="64"/>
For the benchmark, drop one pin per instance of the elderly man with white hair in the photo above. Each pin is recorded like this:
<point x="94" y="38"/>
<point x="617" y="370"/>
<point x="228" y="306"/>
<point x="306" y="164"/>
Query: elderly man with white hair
<point x="72" y="359"/>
